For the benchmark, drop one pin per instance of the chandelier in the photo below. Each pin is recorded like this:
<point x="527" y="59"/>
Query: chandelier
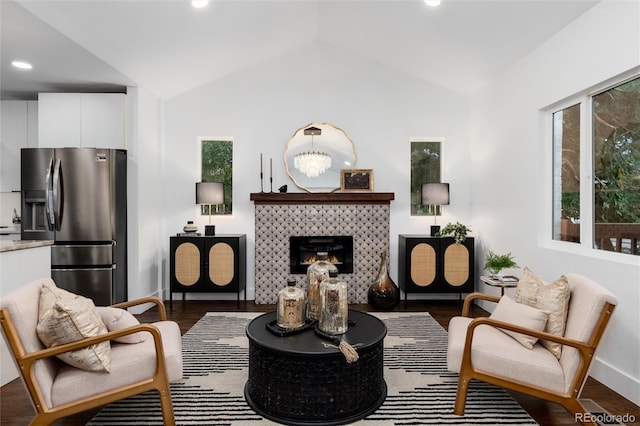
<point x="312" y="163"/>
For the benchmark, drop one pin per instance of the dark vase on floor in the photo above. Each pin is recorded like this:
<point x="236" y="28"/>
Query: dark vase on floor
<point x="384" y="293"/>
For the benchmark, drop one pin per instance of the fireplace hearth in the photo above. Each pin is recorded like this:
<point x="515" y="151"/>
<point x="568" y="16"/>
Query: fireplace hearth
<point x="303" y="251"/>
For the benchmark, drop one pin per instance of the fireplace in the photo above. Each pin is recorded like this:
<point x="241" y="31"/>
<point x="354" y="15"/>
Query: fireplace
<point x="303" y="251"/>
<point x="279" y="216"/>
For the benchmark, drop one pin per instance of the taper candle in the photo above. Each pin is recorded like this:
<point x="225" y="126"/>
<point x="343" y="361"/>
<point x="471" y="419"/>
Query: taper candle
<point x="270" y="167"/>
<point x="260" y="162"/>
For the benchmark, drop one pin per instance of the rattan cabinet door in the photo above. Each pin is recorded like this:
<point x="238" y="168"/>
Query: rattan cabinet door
<point x="225" y="263"/>
<point x="458" y="265"/>
<point x="186" y="263"/>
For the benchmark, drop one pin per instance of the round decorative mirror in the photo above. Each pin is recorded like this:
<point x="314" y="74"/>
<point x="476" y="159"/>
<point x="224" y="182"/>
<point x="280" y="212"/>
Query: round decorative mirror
<point x="315" y="155"/>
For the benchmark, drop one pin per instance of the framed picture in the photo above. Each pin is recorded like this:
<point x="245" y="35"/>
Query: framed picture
<point x="356" y="180"/>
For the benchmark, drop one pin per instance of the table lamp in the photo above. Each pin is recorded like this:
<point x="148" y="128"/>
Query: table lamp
<point x="209" y="193"/>
<point x="436" y="195"/>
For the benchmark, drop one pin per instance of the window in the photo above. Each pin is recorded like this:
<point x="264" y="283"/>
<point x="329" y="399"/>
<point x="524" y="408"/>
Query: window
<point x="426" y="165"/>
<point x="217" y="166"/>
<point x="613" y="141"/>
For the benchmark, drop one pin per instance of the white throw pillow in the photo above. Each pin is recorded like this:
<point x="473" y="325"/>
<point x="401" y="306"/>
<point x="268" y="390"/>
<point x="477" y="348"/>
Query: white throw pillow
<point x="64" y="317"/>
<point x="552" y="298"/>
<point x="116" y="319"/>
<point x="507" y="310"/>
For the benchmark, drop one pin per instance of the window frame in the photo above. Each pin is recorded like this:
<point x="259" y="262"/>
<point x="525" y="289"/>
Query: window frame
<point x="555" y="163"/>
<point x="587" y="202"/>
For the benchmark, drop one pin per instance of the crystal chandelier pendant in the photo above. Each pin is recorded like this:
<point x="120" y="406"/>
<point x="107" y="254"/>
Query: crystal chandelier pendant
<point x="312" y="163"/>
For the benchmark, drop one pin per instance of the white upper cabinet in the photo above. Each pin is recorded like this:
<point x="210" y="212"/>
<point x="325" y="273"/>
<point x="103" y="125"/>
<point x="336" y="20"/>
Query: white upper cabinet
<point x="92" y="120"/>
<point x="19" y="130"/>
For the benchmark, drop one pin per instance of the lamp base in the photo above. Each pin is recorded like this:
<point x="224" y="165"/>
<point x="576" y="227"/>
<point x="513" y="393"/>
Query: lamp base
<point x="434" y="230"/>
<point x="209" y="230"/>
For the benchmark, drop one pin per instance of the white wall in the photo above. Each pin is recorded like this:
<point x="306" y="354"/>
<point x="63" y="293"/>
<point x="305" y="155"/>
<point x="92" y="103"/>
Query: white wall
<point x="494" y="152"/>
<point x="511" y="176"/>
<point x="262" y="107"/>
<point x="144" y="194"/>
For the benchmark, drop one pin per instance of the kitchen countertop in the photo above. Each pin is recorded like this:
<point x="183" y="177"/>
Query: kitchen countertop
<point x="23" y="244"/>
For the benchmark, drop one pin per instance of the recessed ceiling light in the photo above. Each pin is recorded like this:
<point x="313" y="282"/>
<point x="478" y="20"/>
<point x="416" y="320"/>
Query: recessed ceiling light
<point x="22" y="65"/>
<point x="432" y="3"/>
<point x="198" y="4"/>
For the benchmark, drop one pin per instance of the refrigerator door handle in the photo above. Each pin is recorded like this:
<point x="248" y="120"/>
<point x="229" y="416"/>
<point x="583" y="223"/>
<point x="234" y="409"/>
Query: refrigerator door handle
<point x="49" y="197"/>
<point x="57" y="195"/>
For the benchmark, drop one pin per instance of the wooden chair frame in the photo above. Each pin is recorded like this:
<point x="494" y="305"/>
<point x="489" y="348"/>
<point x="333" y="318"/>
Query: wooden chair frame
<point x="46" y="415"/>
<point x="568" y="400"/>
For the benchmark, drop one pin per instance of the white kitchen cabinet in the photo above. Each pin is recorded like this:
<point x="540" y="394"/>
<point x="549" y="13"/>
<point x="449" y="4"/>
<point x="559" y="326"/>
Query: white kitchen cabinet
<point x="92" y="120"/>
<point x="19" y="130"/>
<point x="13" y="274"/>
<point x="59" y="120"/>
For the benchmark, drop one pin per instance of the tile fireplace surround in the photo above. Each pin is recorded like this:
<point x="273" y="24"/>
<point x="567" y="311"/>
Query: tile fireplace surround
<point x="365" y="216"/>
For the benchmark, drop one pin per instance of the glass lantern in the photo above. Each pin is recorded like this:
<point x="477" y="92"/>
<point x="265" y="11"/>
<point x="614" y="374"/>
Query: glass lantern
<point x="291" y="306"/>
<point x="334" y="305"/>
<point x="316" y="273"/>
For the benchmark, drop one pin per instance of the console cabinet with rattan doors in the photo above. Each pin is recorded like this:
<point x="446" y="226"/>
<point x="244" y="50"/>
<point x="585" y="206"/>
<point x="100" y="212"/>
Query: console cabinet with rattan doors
<point x="208" y="264"/>
<point x="435" y="265"/>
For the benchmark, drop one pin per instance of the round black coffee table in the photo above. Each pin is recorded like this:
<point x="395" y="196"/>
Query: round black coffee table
<point x="303" y="379"/>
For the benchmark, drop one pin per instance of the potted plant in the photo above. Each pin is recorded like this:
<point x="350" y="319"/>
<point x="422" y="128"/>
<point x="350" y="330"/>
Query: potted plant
<point x="494" y="263"/>
<point x="456" y="230"/>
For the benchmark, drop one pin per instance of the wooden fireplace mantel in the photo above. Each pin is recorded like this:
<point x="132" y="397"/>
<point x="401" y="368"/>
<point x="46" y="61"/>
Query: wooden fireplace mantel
<point x="322" y="197"/>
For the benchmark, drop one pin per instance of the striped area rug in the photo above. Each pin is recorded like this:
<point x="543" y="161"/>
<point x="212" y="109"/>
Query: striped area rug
<point x="420" y="389"/>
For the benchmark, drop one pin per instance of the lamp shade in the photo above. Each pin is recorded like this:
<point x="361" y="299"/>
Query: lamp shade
<point x="435" y="194"/>
<point x="209" y="193"/>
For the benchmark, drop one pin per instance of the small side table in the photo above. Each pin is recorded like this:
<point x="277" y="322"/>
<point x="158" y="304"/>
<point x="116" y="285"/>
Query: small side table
<point x="512" y="282"/>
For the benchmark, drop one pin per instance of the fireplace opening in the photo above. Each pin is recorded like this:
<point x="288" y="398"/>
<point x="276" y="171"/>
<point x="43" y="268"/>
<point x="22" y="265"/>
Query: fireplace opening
<point x="303" y="251"/>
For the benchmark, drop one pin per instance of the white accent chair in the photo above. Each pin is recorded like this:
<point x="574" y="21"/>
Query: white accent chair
<point x="477" y="349"/>
<point x="58" y="390"/>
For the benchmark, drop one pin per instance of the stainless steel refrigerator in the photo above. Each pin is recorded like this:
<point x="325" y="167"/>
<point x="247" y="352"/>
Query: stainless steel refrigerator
<point x="77" y="197"/>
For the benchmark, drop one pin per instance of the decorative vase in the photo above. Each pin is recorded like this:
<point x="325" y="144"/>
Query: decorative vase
<point x="334" y="305"/>
<point x="291" y="306"/>
<point x="316" y="273"/>
<point x="384" y="293"/>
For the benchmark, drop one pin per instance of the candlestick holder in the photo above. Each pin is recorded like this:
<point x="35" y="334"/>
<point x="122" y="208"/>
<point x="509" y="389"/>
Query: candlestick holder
<point x="261" y="182"/>
<point x="270" y="174"/>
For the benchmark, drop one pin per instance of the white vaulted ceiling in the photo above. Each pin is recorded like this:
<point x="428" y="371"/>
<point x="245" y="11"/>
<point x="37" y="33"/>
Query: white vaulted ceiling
<point x="169" y="48"/>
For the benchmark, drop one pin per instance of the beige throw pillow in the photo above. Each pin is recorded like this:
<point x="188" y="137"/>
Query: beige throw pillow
<point x="64" y="317"/>
<point x="116" y="319"/>
<point x="507" y="310"/>
<point x="552" y="298"/>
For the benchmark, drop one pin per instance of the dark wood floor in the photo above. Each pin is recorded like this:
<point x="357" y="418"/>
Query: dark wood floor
<point x="16" y="408"/>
